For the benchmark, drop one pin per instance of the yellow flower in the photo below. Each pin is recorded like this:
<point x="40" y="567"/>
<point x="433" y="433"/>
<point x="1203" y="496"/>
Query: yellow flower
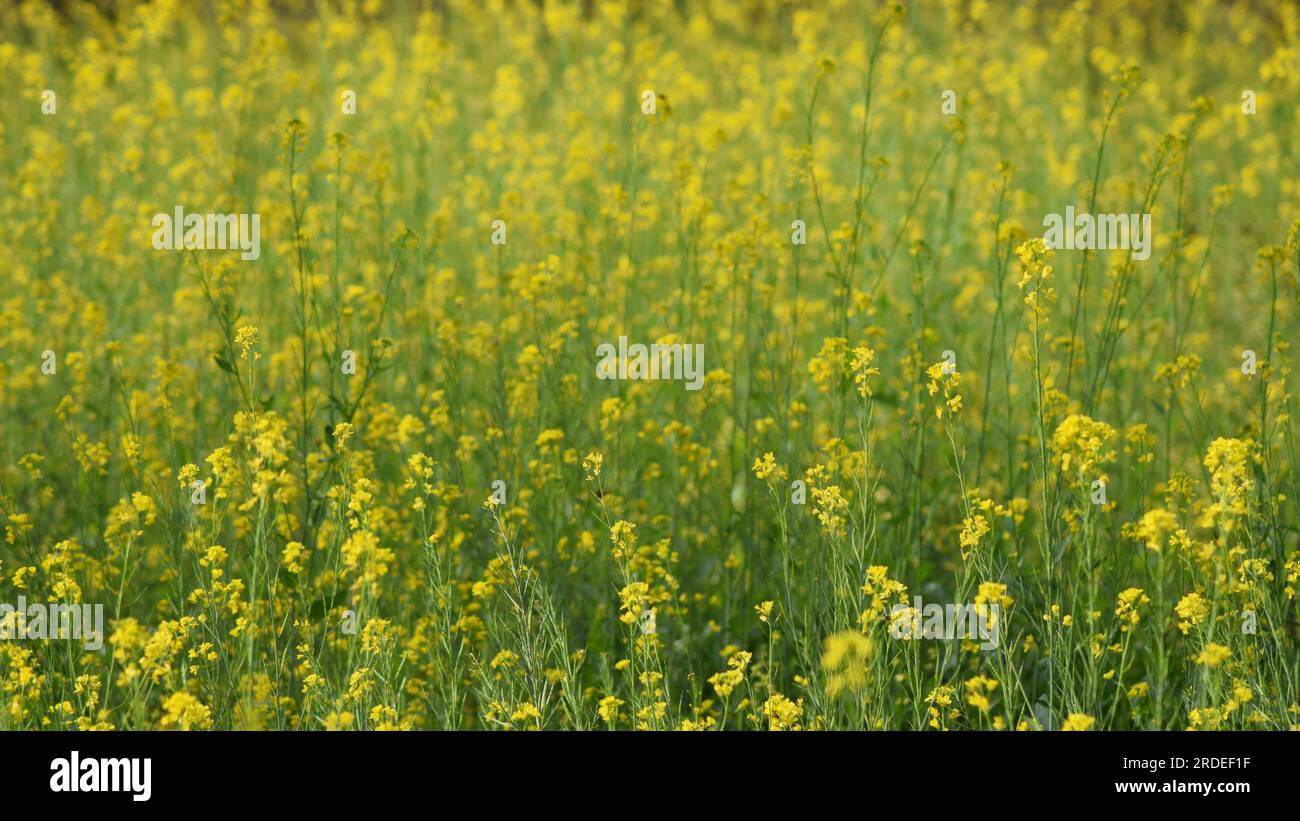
<point x="1126" y="609"/>
<point x="1228" y="463"/>
<point x="339" y="721"/>
<point x="245" y="338"/>
<point x="1079" y="447"/>
<point x="548" y="441"/>
<point x="727" y="681"/>
<point x="1078" y="722"/>
<point x="882" y="590"/>
<point x="633" y="600"/>
<point x="993" y="593"/>
<point x="1036" y="275"/>
<point x="782" y="713"/>
<point x="829" y="506"/>
<point x="1154" y="528"/>
<point x="623" y="538"/>
<point x="844" y="659"/>
<point x="1213" y="655"/>
<point x="342" y="433"/>
<point x="527" y="711"/>
<point x="1192" y="609"/>
<point x="292" y="557"/>
<point x="591" y="465"/>
<point x="828" y="367"/>
<point x="862" y="370"/>
<point x="185" y="712"/>
<point x="938" y="699"/>
<point x="608" y="709"/>
<point x="973" y="530"/>
<point x="375" y="635"/>
<point x="766" y="466"/>
<point x="944" y="378"/>
<point x="978" y="690"/>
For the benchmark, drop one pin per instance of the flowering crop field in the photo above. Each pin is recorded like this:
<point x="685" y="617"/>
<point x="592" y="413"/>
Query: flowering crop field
<point x="699" y="365"/>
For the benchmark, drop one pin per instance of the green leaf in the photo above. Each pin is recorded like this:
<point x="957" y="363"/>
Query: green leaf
<point x="224" y="364"/>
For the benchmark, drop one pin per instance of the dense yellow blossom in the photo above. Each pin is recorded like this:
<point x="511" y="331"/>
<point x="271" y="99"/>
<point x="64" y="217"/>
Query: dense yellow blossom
<point x="547" y="365"/>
